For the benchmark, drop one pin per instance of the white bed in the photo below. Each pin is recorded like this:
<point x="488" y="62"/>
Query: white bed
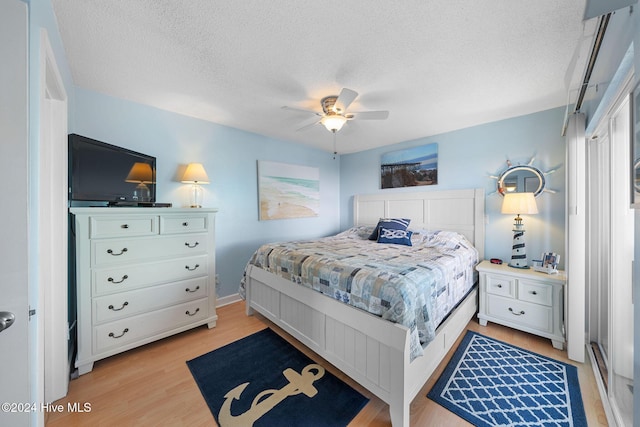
<point x="376" y="354"/>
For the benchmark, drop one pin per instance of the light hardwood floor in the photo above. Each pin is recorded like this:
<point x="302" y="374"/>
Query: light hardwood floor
<point x="152" y="386"/>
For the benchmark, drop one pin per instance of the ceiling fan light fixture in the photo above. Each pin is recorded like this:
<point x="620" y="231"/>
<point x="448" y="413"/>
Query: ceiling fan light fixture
<point x="333" y="122"/>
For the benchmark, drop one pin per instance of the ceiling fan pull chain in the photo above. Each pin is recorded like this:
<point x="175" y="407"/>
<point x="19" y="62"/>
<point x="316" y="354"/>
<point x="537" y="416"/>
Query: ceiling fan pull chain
<point x="334" y="145"/>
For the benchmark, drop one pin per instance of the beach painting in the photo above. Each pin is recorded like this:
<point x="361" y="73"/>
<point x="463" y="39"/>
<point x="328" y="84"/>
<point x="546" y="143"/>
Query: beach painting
<point x="411" y="167"/>
<point x="288" y="191"/>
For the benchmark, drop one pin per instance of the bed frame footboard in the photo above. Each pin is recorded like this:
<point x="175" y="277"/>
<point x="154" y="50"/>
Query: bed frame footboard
<point x="373" y="352"/>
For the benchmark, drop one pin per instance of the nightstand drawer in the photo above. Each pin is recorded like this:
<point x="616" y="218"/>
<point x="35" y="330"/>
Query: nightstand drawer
<point x="535" y="292"/>
<point x="533" y="316"/>
<point x="501" y="285"/>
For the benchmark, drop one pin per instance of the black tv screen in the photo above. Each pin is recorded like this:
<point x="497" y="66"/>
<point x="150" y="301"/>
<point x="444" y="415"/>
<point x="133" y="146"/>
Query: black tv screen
<point x="102" y="174"/>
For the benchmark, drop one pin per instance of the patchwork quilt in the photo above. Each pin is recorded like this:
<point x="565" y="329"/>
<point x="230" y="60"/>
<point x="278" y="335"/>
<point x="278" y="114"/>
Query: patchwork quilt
<point x="416" y="286"/>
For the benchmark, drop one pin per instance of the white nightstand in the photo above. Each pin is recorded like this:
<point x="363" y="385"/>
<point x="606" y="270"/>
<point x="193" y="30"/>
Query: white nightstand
<point x="523" y="299"/>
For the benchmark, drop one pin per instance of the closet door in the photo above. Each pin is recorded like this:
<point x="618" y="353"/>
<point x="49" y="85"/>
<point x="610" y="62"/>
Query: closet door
<point x="610" y="255"/>
<point x="622" y="244"/>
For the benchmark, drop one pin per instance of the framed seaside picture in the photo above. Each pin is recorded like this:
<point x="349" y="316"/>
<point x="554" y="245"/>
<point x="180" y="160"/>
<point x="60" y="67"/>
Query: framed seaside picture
<point x="411" y="167"/>
<point x="287" y="191"/>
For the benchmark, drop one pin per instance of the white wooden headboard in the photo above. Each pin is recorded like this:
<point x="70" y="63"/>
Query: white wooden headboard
<point x="455" y="210"/>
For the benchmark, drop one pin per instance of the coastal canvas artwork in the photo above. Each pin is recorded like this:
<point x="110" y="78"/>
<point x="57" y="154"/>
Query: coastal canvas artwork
<point x="411" y="167"/>
<point x="288" y="191"/>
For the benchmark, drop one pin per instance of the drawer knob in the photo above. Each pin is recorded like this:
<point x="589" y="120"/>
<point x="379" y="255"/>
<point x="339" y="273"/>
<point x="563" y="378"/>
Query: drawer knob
<point x="534" y="293"/>
<point x="188" y="313"/>
<point x="499" y="285"/>
<point x="187" y="244"/>
<point x="185" y="224"/>
<point x="112" y="280"/>
<point x="111" y="307"/>
<point x="192" y="291"/>
<point x="516" y="314"/>
<point x="192" y="269"/>
<point x="124" y="226"/>
<point x="112" y="335"/>
<point x="110" y="252"/>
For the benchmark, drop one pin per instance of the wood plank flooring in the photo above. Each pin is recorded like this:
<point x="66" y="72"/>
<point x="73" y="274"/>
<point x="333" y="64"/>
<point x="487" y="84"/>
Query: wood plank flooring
<point x="152" y="386"/>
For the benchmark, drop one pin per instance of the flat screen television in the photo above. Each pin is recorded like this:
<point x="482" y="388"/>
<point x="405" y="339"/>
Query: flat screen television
<point x="102" y="174"/>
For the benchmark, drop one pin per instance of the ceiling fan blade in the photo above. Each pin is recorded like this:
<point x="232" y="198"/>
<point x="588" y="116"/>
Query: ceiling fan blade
<point x="308" y="125"/>
<point x="302" y="110"/>
<point x="345" y="99"/>
<point x="368" y="115"/>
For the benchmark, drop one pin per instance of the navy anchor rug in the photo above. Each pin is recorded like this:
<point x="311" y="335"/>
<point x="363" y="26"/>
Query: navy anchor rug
<point x="492" y="383"/>
<point x="262" y="380"/>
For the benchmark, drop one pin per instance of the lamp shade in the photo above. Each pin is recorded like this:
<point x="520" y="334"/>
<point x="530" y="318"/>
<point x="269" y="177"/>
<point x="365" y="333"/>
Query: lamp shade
<point x="141" y="173"/>
<point x="519" y="203"/>
<point x="195" y="173"/>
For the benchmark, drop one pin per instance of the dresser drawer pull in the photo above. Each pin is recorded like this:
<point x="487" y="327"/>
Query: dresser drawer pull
<point x="192" y="269"/>
<point x="516" y="314"/>
<point x="124" y="226"/>
<point x="191" y="246"/>
<point x="188" y="313"/>
<point x="534" y="293"/>
<point x="126" y="303"/>
<point x="499" y="285"/>
<point x="110" y="252"/>
<point x="185" y="224"/>
<point x="110" y="279"/>
<point x="192" y="291"/>
<point x="112" y="335"/>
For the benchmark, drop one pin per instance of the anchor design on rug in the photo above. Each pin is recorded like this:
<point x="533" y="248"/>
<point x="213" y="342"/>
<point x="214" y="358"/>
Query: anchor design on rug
<point x="266" y="400"/>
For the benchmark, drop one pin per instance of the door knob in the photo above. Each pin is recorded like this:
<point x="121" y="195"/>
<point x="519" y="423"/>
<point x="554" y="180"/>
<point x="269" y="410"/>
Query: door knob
<point x="6" y="320"/>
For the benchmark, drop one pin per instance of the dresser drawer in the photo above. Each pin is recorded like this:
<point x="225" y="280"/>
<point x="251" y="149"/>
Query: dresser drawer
<point x="123" y="226"/>
<point x="120" y="251"/>
<point x="170" y="224"/>
<point x="136" y="328"/>
<point x="535" y="292"/>
<point x="124" y="304"/>
<point x="533" y="316"/>
<point x="501" y="285"/>
<point x="128" y="277"/>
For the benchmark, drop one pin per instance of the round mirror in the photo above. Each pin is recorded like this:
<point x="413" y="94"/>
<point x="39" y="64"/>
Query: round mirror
<point x="521" y="179"/>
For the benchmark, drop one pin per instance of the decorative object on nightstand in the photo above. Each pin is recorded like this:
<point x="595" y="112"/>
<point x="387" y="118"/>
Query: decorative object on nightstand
<point x="196" y="175"/>
<point x="548" y="263"/>
<point x="519" y="203"/>
<point x="523" y="299"/>
<point x="142" y="174"/>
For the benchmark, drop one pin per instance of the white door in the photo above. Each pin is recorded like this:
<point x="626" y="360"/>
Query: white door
<point x="14" y="171"/>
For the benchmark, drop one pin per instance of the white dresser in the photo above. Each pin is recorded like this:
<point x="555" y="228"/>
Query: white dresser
<point x="141" y="274"/>
<point x="523" y="299"/>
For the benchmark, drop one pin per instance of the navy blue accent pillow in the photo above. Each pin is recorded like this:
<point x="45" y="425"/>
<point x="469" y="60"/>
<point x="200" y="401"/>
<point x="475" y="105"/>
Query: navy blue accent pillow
<point x="397" y="237"/>
<point x="391" y="224"/>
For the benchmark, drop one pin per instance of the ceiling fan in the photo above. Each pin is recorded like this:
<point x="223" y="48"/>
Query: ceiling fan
<point x="334" y="114"/>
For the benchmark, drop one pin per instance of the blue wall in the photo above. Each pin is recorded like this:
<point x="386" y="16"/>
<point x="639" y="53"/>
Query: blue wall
<point x="466" y="159"/>
<point x="230" y="158"/>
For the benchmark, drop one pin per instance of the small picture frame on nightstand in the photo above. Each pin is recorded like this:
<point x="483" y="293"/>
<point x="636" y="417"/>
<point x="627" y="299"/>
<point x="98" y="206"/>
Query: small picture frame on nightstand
<point x="548" y="263"/>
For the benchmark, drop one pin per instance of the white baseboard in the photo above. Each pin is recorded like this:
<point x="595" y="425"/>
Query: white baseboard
<point x="229" y="299"/>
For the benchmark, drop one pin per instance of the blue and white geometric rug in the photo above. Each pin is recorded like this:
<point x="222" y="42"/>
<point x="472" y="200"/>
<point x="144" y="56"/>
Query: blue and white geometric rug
<point x="491" y="383"/>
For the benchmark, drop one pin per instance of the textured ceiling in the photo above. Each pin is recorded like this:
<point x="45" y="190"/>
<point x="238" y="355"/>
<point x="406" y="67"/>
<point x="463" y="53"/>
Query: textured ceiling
<point x="435" y="65"/>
